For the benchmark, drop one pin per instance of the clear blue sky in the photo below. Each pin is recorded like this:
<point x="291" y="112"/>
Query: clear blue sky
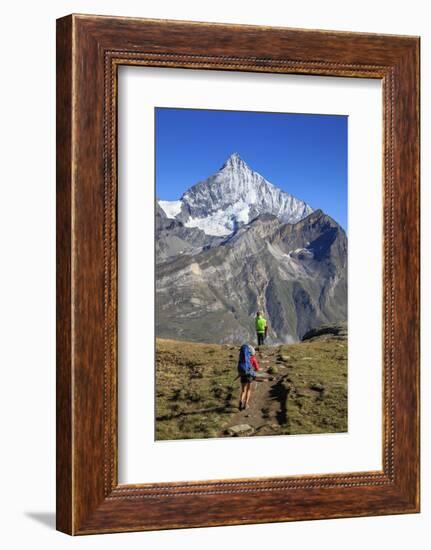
<point x="305" y="155"/>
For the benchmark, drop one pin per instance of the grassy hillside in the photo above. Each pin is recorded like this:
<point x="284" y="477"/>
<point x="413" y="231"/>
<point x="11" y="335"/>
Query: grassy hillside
<point x="197" y="390"/>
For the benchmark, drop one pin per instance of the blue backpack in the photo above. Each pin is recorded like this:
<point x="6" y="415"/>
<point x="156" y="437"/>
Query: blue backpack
<point x="244" y="364"/>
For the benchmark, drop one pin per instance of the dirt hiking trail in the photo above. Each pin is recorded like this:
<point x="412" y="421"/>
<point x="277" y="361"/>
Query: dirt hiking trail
<point x="268" y="402"/>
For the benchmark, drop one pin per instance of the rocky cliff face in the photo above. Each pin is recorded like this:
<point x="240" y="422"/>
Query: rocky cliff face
<point x="289" y="261"/>
<point x="173" y="238"/>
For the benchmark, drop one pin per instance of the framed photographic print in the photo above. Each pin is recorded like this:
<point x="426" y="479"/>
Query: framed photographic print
<point x="237" y="274"/>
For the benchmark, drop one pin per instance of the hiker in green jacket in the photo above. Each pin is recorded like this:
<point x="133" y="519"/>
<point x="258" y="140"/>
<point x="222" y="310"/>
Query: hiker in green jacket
<point x="261" y="328"/>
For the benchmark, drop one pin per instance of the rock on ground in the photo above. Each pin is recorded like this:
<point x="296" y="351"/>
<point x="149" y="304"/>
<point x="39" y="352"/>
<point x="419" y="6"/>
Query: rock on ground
<point x="337" y="330"/>
<point x="240" y="430"/>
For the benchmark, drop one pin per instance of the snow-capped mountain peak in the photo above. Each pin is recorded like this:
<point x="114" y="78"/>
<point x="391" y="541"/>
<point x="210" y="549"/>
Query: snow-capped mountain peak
<point x="232" y="197"/>
<point x="234" y="162"/>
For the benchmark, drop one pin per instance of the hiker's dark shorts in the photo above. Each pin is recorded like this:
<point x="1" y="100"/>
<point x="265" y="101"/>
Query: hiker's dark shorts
<point x="246" y="378"/>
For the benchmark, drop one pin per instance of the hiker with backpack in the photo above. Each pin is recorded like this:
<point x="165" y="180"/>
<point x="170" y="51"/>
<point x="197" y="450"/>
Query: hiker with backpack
<point x="261" y="328"/>
<point x="247" y="368"/>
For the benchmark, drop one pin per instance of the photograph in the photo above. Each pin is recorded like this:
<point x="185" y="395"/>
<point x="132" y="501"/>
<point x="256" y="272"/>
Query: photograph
<point x="250" y="273"/>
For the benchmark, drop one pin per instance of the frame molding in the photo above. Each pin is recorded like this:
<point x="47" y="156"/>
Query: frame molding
<point x="89" y="51"/>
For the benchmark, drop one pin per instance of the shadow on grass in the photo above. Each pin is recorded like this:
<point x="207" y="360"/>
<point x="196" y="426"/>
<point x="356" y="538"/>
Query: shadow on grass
<point x="280" y="393"/>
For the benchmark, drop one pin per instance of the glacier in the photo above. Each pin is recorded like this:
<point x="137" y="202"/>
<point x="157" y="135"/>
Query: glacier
<point x="171" y="208"/>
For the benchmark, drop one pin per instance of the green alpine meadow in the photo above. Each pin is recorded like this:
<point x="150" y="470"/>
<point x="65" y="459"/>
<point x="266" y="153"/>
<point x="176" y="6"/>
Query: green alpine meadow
<point x="305" y="391"/>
